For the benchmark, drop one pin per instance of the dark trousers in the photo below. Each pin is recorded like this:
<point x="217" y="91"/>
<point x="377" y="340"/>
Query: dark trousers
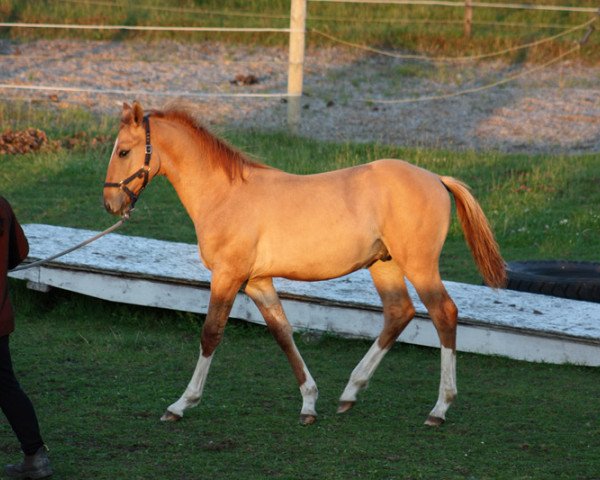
<point x="16" y="404"/>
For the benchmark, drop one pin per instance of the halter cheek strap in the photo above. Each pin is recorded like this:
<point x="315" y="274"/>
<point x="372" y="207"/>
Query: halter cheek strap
<point x="143" y="172"/>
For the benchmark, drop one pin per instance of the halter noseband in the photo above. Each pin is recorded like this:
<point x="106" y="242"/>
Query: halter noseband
<point x="143" y="172"/>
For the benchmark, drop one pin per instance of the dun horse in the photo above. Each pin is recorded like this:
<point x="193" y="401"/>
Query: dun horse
<point x="254" y="223"/>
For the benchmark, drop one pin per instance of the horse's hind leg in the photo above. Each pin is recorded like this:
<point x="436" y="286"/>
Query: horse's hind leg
<point x="444" y="314"/>
<point x="398" y="311"/>
<point x="264" y="295"/>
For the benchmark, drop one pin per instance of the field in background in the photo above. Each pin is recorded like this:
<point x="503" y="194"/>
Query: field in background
<point x="432" y="30"/>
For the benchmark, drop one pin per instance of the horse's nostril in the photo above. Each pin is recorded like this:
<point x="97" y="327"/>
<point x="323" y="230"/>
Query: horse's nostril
<point x="110" y="207"/>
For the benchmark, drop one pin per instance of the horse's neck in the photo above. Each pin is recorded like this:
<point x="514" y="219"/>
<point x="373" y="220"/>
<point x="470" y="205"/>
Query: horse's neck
<point x="186" y="162"/>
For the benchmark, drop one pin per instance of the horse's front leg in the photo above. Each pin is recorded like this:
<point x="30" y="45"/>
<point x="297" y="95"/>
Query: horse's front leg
<point x="222" y="294"/>
<point x="264" y="295"/>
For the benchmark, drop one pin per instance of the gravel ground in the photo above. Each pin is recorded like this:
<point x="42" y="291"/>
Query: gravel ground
<point x="556" y="110"/>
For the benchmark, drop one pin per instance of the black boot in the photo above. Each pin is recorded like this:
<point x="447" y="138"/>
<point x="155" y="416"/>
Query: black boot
<point x="34" y="466"/>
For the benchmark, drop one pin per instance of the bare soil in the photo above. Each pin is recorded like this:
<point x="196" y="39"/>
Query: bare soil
<point x="555" y="110"/>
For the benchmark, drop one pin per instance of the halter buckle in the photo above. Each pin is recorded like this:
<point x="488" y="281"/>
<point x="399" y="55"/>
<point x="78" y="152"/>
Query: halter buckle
<point x="148" y="149"/>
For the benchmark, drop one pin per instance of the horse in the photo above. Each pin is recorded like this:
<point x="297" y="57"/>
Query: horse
<point x="254" y="222"/>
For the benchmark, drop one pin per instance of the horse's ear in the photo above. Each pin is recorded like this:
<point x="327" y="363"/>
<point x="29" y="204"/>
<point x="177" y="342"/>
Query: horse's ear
<point x="138" y="113"/>
<point x="126" y="114"/>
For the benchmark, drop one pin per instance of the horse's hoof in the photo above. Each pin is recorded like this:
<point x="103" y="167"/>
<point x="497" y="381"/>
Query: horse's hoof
<point x="345" y="406"/>
<point x="307" y="419"/>
<point x="170" y="417"/>
<point x="434" y="421"/>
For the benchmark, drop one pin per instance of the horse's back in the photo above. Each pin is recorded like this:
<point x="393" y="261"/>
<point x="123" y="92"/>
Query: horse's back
<point x="405" y="175"/>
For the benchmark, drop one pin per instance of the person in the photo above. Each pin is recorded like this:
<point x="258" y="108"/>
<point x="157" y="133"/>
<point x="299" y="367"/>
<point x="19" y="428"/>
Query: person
<point x="14" y="402"/>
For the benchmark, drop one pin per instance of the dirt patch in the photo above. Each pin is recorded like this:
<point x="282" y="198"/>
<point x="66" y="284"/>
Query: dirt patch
<point x="555" y="110"/>
<point x="33" y="140"/>
<point x="23" y="141"/>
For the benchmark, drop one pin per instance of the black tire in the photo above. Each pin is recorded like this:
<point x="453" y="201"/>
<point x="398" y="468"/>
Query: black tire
<point x="574" y="280"/>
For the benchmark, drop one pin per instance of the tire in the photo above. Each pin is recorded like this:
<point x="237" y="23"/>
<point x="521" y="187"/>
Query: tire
<point x="566" y="279"/>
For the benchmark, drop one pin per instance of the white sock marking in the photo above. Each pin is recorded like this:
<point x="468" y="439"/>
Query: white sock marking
<point x="309" y="393"/>
<point x="363" y="372"/>
<point x="447" y="390"/>
<point x="193" y="392"/>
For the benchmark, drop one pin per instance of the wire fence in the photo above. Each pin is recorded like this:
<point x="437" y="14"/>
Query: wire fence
<point x="461" y="4"/>
<point x="479" y="89"/>
<point x="440" y="3"/>
<point x="477" y="57"/>
<point x="147" y="28"/>
<point x="328" y="19"/>
<point x="297" y="31"/>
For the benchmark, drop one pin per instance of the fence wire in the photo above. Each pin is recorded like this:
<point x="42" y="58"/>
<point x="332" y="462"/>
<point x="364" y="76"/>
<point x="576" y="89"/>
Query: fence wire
<point x="511" y="78"/>
<point x="454" y="59"/>
<point x="461" y="4"/>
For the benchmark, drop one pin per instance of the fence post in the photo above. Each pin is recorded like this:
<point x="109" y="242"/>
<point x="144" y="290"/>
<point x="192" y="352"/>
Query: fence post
<point x="468" y="17"/>
<point x="296" y="62"/>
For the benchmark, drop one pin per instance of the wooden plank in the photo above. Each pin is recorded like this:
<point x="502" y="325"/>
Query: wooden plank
<point x="170" y="275"/>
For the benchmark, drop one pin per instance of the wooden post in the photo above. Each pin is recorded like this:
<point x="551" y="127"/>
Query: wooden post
<point x="296" y="62"/>
<point x="468" y="17"/>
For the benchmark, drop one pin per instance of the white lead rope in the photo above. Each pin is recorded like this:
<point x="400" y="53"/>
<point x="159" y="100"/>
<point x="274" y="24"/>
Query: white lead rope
<point x="69" y="250"/>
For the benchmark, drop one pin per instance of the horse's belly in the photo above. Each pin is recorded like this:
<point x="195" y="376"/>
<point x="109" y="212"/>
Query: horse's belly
<point x="318" y="261"/>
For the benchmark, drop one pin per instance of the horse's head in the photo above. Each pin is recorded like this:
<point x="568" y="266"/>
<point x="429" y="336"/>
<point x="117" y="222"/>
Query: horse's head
<point x="131" y="162"/>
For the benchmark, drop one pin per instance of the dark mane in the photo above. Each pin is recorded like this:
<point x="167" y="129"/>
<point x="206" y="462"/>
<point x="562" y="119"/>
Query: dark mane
<point x="221" y="154"/>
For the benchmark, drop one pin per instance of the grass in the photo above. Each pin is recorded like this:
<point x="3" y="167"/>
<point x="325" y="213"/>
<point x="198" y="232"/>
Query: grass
<point x="540" y="207"/>
<point x="425" y="29"/>
<point x="101" y="374"/>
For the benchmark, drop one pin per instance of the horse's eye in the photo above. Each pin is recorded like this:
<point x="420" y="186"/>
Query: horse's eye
<point x="124" y="153"/>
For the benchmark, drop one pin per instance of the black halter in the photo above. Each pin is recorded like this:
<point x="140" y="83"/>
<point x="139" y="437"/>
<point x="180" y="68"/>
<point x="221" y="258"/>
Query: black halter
<point x="143" y="172"/>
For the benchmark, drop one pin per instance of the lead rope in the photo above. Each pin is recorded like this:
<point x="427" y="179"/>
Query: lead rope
<point x="76" y="247"/>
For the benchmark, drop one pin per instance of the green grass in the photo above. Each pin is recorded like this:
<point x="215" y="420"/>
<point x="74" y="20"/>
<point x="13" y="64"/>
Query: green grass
<point x="426" y="29"/>
<point x="101" y="374"/>
<point x="540" y="207"/>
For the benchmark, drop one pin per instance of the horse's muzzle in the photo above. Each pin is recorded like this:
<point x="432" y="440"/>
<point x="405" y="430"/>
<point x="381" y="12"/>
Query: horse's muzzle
<point x="116" y="203"/>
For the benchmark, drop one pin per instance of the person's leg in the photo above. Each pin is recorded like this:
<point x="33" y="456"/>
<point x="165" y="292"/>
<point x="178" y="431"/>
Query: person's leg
<point x="21" y="415"/>
<point x="16" y="405"/>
